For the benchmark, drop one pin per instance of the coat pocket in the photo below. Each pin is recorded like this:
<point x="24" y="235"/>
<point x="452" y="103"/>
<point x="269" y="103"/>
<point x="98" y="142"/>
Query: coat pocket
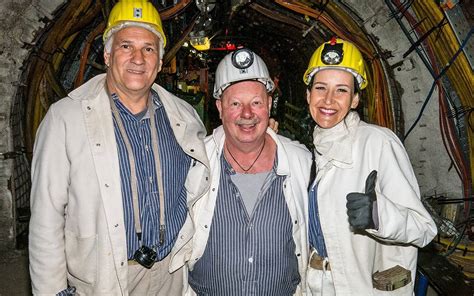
<point x="81" y="257"/>
<point x="320" y="282"/>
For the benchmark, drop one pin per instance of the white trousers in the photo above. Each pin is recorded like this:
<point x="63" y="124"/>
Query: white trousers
<point x="155" y="281"/>
<point x="319" y="282"/>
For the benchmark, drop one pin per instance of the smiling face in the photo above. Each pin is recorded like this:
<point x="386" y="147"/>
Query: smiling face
<point x="133" y="61"/>
<point x="244" y="109"/>
<point x="331" y="97"/>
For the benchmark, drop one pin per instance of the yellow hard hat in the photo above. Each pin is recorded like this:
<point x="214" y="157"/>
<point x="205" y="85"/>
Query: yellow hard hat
<point x="337" y="54"/>
<point x="140" y="12"/>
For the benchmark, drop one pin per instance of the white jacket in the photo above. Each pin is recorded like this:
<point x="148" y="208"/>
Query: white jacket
<point x="294" y="160"/>
<point x="345" y="155"/>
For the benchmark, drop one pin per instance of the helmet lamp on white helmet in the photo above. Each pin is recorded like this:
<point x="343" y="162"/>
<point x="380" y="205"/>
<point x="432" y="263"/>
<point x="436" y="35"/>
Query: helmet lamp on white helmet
<point x="240" y="65"/>
<point x="242" y="59"/>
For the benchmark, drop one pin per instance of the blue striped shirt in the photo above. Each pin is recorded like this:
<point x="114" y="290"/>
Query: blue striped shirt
<point x="248" y="255"/>
<point x="316" y="238"/>
<point x="174" y="164"/>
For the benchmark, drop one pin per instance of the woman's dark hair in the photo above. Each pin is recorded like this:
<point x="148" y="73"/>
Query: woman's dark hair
<point x="356" y="86"/>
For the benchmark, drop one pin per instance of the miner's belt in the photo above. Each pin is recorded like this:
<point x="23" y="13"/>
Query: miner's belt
<point x="318" y="262"/>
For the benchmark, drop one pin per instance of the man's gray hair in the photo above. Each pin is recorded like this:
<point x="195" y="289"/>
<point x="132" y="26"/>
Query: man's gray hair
<point x="109" y="39"/>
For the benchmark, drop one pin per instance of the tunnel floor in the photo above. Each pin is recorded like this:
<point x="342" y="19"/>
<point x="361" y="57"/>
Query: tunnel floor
<point x="14" y="275"/>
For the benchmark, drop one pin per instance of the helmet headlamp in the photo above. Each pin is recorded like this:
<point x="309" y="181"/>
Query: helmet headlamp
<point x="137" y="13"/>
<point x="332" y="54"/>
<point x="240" y="65"/>
<point x="242" y="58"/>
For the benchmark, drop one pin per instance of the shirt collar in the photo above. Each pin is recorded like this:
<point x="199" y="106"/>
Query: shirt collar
<point x="230" y="170"/>
<point x="281" y="165"/>
<point x="157" y="104"/>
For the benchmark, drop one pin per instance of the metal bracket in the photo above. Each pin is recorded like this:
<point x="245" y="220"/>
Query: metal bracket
<point x="461" y="28"/>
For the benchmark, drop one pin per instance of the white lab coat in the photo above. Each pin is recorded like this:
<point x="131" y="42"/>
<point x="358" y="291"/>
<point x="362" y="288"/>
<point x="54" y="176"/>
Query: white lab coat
<point x="77" y="231"/>
<point x="345" y="155"/>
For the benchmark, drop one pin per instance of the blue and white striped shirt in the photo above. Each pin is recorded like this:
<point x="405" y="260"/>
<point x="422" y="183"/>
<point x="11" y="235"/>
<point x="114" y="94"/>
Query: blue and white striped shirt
<point x="315" y="233"/>
<point x="174" y="164"/>
<point x="248" y="255"/>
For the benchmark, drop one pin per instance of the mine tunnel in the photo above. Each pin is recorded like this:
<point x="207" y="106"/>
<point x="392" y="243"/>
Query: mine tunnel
<point x="419" y="57"/>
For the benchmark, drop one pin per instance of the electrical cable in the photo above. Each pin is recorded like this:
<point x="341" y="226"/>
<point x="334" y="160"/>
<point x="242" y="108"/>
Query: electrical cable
<point x="410" y="39"/>
<point x="460" y="76"/>
<point x="443" y="71"/>
<point x="451" y="143"/>
<point x="424" y="36"/>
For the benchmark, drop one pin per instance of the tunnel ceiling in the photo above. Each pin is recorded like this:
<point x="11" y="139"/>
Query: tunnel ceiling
<point x="68" y="51"/>
<point x="284" y="33"/>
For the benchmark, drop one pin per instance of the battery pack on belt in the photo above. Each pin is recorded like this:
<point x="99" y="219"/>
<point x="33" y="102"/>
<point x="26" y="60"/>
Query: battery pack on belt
<point x="391" y="279"/>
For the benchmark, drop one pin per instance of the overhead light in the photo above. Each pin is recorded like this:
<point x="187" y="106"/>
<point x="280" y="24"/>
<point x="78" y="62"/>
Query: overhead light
<point x="199" y="39"/>
<point x="200" y="43"/>
<point x="205" y="6"/>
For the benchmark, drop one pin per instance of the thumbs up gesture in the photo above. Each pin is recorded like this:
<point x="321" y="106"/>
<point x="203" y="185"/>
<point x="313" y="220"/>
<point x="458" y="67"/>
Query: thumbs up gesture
<point x="359" y="205"/>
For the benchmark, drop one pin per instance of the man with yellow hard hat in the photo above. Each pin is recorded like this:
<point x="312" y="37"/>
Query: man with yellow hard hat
<point x="116" y="165"/>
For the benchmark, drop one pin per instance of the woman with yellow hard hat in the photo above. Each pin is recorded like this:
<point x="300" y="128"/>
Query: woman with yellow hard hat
<point x="365" y="214"/>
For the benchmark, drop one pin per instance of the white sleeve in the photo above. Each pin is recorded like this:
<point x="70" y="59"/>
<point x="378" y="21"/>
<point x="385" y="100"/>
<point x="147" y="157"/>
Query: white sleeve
<point x="50" y="179"/>
<point x="402" y="217"/>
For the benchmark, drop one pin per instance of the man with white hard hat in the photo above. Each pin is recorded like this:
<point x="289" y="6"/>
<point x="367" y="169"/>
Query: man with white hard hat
<point x="250" y="228"/>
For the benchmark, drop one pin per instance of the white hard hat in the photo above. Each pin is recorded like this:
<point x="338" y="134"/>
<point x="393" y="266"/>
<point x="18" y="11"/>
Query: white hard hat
<point x="242" y="64"/>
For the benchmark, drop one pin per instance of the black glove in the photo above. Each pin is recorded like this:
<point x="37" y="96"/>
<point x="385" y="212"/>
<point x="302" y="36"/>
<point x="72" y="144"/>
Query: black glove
<point x="359" y="205"/>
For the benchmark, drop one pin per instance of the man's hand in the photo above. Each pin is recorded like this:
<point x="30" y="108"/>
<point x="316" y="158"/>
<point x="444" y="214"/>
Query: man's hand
<point x="273" y="124"/>
<point x="359" y="205"/>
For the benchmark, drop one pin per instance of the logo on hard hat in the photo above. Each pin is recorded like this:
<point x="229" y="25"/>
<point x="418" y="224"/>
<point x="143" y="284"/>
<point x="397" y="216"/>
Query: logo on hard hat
<point x="332" y="54"/>
<point x="137" y="13"/>
<point x="242" y="58"/>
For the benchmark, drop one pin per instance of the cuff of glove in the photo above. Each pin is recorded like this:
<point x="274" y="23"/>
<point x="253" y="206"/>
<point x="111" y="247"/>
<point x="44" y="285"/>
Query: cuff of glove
<point x="375" y="215"/>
